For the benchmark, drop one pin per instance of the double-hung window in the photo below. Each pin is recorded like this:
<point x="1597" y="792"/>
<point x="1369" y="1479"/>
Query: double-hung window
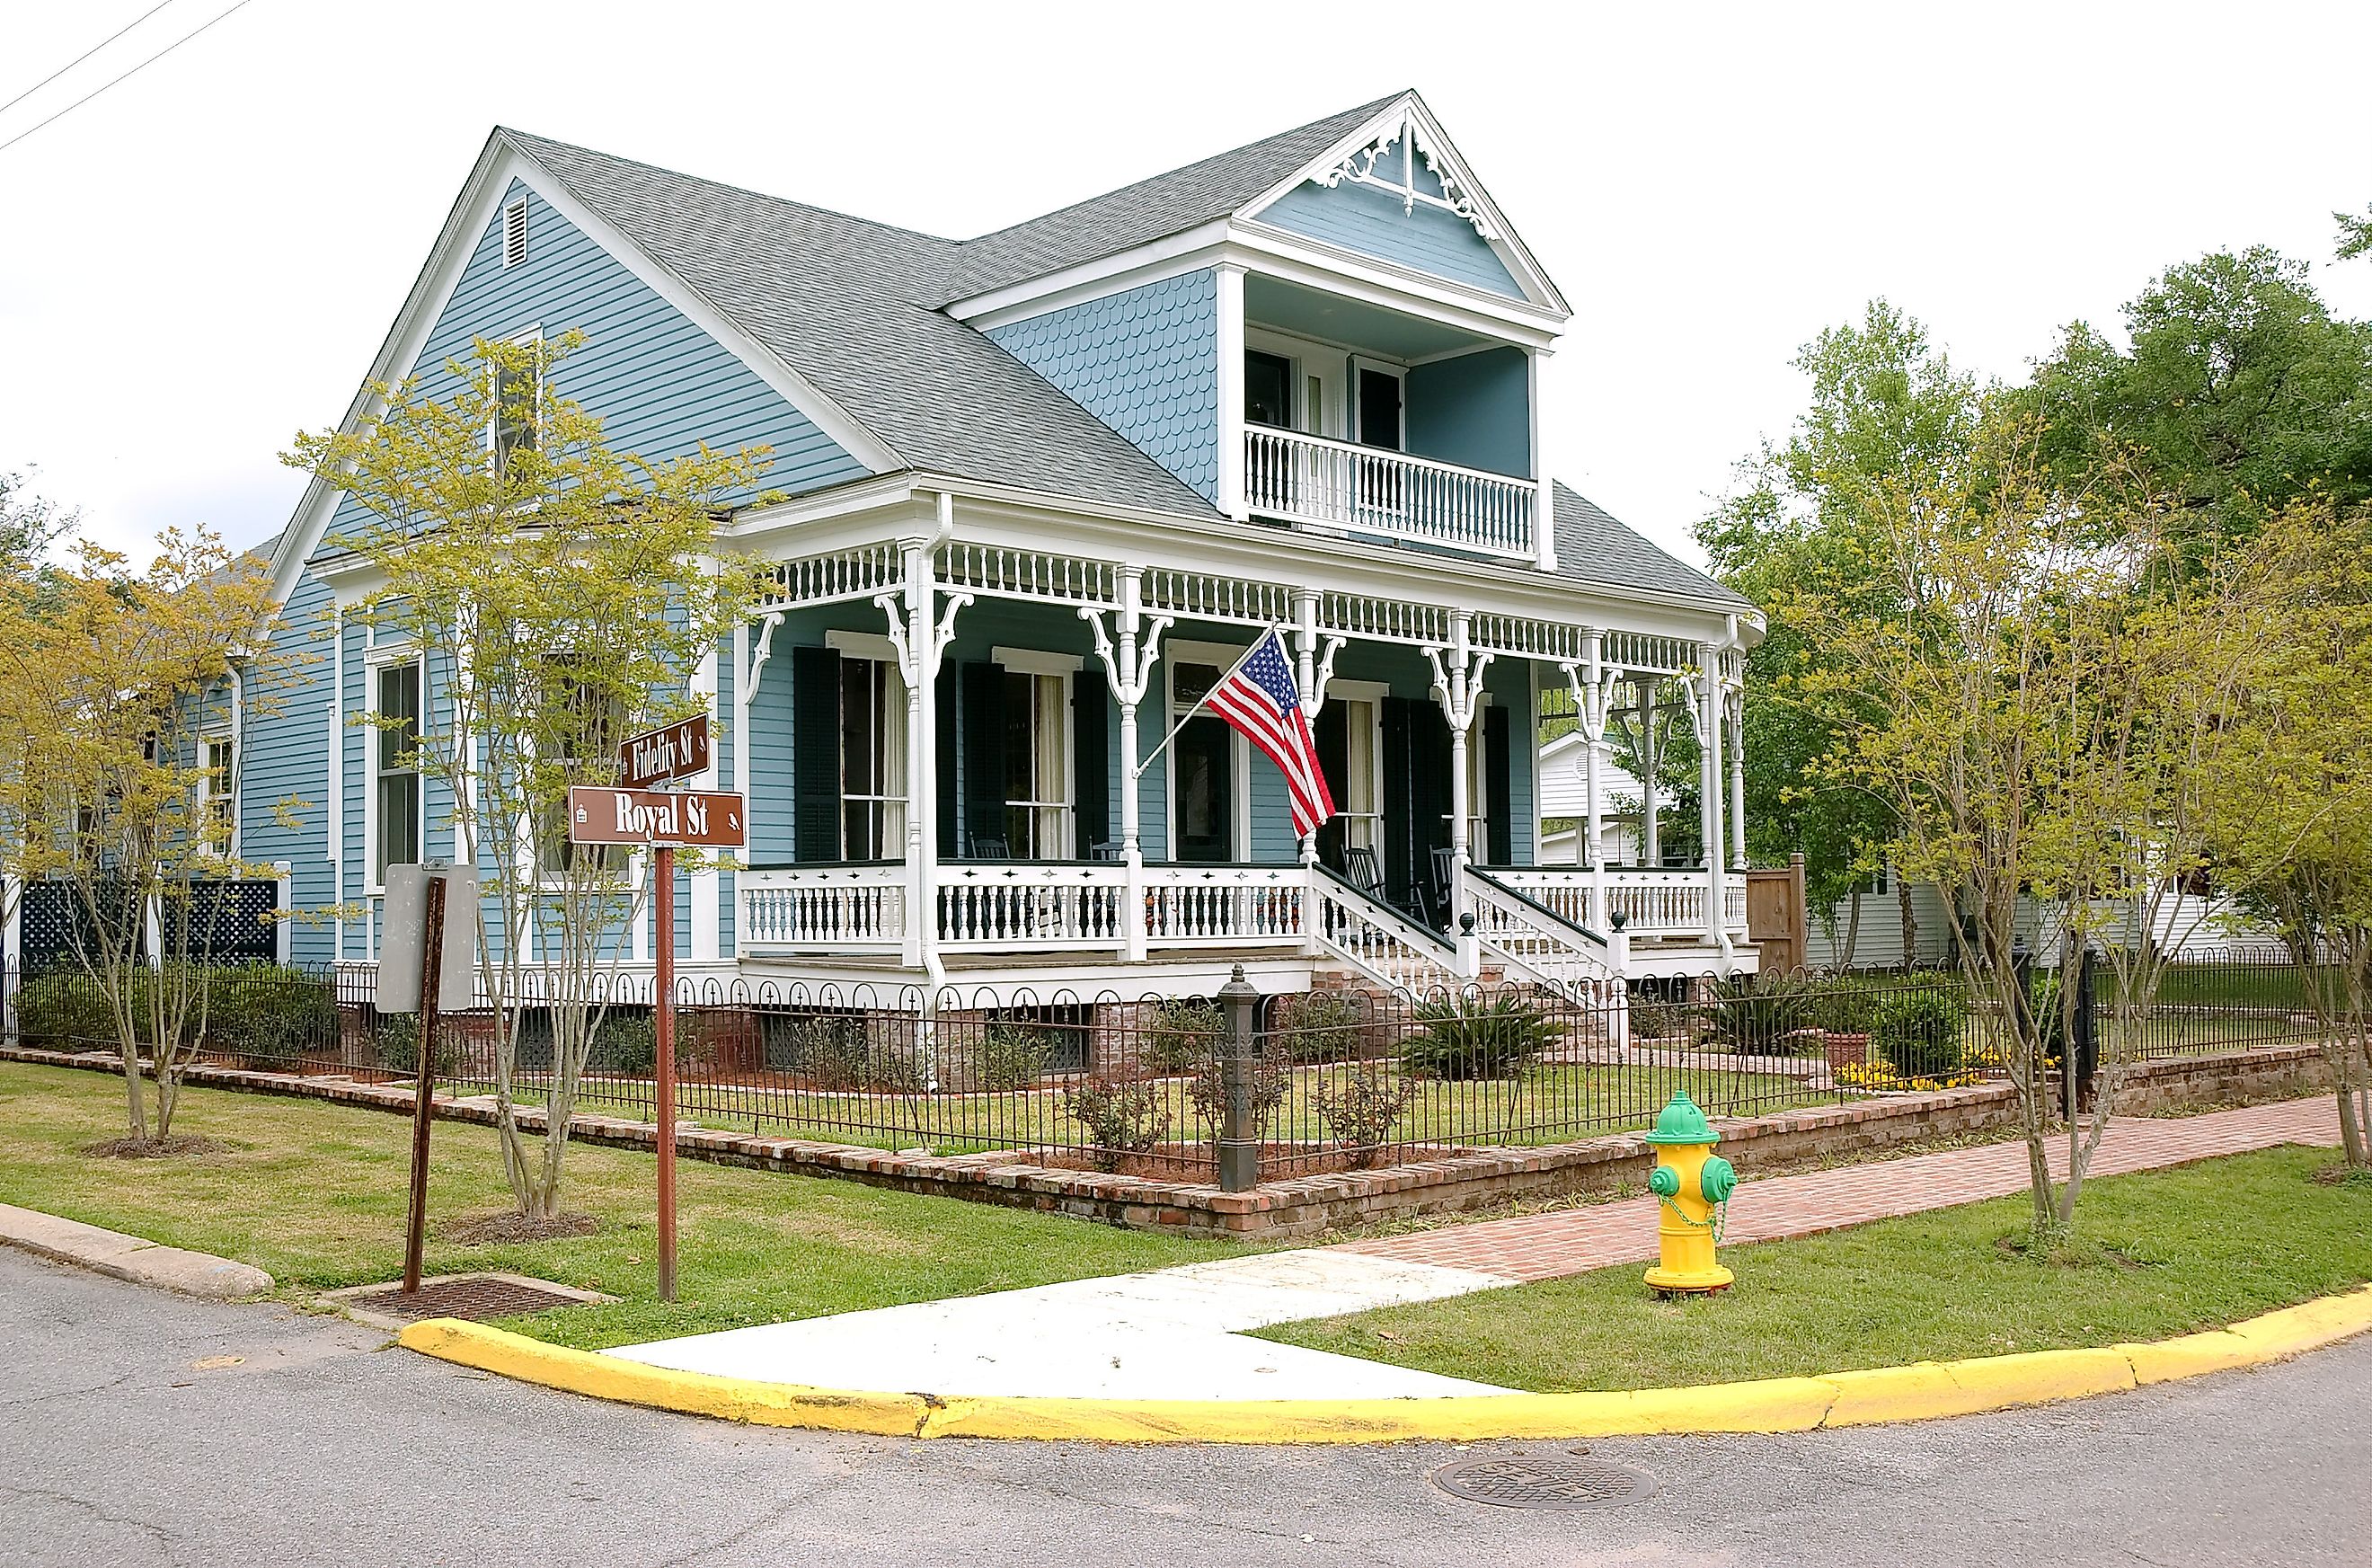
<point x="519" y="404"/>
<point x="395" y="749"/>
<point x="218" y="798"/>
<point x="1037" y="765"/>
<point x="872" y="760"/>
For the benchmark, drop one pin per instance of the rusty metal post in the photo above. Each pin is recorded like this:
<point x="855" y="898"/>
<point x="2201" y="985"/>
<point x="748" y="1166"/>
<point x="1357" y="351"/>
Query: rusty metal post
<point x="432" y="977"/>
<point x="663" y="1030"/>
<point x="1239" y="1147"/>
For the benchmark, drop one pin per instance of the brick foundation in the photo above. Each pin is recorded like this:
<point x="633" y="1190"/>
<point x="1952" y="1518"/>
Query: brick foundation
<point x="1309" y="1205"/>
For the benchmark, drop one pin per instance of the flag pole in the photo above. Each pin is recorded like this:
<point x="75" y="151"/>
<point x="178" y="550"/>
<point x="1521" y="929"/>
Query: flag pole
<point x="1138" y="771"/>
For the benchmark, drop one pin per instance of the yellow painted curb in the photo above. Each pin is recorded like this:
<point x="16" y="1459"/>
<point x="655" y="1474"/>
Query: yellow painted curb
<point x="1926" y="1392"/>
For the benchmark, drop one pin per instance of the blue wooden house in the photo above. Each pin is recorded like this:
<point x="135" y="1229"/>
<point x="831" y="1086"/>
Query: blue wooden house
<point x="1034" y="492"/>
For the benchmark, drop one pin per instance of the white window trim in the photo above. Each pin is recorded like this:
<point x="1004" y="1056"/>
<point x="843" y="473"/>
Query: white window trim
<point x="1312" y="359"/>
<point x="376" y="660"/>
<point x="873" y="648"/>
<point x="1036" y="661"/>
<point x="1372" y="692"/>
<point x="1063" y="667"/>
<point x="531" y="338"/>
<point x="211" y="736"/>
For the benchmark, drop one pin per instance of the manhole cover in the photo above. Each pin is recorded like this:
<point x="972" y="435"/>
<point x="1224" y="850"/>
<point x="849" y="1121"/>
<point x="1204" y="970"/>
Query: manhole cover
<point x="1545" y="1482"/>
<point x="474" y="1296"/>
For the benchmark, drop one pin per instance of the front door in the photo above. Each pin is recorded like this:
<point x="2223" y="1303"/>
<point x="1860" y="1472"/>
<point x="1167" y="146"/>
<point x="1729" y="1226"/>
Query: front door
<point x="1205" y="790"/>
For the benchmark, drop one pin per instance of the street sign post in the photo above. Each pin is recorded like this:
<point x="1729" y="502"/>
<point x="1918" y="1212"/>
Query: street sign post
<point x="671" y="751"/>
<point x="664" y="819"/>
<point x="428" y="965"/>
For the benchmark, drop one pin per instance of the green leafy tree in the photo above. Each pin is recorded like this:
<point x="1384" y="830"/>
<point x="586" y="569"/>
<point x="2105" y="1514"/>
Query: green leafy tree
<point x="2355" y="234"/>
<point x="112" y="680"/>
<point x="2292" y="822"/>
<point x="1885" y="404"/>
<point x="562" y="594"/>
<point x="2238" y="392"/>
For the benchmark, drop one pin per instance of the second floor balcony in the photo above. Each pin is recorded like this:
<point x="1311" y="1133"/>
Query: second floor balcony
<point x="1381" y="424"/>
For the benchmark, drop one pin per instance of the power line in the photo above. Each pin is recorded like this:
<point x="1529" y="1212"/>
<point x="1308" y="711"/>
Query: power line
<point x="86" y="54"/>
<point x="135" y="70"/>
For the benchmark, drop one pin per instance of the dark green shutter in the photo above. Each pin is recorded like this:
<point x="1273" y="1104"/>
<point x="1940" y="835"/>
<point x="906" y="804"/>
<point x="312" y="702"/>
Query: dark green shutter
<point x="945" y="693"/>
<point x="1090" y="763"/>
<point x="983" y="754"/>
<point x="1333" y="759"/>
<point x="1428" y="769"/>
<point x="1498" y="788"/>
<point x="1398" y="803"/>
<point x="815" y="753"/>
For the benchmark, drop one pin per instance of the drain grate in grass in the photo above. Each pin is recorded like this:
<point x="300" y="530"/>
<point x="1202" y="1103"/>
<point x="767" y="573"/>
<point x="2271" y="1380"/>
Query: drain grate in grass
<point x="478" y="1297"/>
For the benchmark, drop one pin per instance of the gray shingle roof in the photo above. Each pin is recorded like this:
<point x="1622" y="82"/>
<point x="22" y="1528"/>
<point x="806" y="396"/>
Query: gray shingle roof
<point x="1596" y="548"/>
<point x="1148" y="210"/>
<point x="851" y="305"/>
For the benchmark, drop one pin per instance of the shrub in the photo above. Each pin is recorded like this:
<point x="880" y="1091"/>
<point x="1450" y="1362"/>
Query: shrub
<point x="1272" y="1085"/>
<point x="627" y="1044"/>
<point x="1757" y="1014"/>
<point x="1656" y="1018"/>
<point x="1843" y="1005"/>
<point x="1012" y="1056"/>
<point x="1183" y="1033"/>
<point x="267" y="1015"/>
<point x="1122" y="1117"/>
<point x="65" y="1008"/>
<point x="834" y="1050"/>
<point x="1465" y="1038"/>
<point x="1918" y="1031"/>
<point x="397" y="1040"/>
<point x="1359" y="1106"/>
<point x="1318" y="1025"/>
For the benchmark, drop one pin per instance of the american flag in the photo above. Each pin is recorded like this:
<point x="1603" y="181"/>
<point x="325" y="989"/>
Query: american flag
<point x="1260" y="701"/>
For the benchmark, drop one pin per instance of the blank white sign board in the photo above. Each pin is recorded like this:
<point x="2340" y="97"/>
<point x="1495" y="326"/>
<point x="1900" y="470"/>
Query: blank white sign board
<point x="403" y="926"/>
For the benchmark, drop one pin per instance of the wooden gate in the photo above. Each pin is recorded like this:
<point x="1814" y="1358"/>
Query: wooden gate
<point x="1775" y="917"/>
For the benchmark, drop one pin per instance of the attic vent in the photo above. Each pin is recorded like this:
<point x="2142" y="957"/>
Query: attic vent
<point x="515" y="233"/>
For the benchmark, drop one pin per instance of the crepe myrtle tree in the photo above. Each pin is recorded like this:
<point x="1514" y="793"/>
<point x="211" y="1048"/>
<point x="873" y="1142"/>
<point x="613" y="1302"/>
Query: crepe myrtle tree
<point x="2037" y="697"/>
<point x="118" y="778"/>
<point x="561" y="594"/>
<point x="2291" y="827"/>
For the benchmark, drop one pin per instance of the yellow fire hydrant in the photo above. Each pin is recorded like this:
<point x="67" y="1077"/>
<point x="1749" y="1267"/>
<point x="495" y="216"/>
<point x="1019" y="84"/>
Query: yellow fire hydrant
<point x="1691" y="1184"/>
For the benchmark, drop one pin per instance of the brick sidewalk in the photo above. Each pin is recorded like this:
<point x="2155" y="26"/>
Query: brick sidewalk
<point x="1543" y="1247"/>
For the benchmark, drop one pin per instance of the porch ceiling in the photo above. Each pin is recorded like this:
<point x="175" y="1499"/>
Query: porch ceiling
<point x="1330" y="318"/>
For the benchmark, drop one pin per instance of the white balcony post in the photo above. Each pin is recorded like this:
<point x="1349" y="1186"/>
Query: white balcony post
<point x="1544" y="553"/>
<point x="921" y="775"/>
<point x="1130" y="673"/>
<point x="1232" y="500"/>
<point x="1651" y="848"/>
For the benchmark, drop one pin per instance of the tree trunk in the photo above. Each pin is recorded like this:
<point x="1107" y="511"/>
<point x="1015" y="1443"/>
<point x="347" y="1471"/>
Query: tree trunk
<point x="1853" y="931"/>
<point x="1910" y="922"/>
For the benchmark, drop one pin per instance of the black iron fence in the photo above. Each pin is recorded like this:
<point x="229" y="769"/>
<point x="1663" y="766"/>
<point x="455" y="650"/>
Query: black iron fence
<point x="1318" y="1081"/>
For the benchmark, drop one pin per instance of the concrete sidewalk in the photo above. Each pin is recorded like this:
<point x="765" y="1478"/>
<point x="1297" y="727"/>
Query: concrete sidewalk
<point x="1178" y="1333"/>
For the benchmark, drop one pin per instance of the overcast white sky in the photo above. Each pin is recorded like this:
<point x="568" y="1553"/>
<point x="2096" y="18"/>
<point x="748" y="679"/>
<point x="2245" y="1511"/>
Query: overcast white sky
<point x="204" y="258"/>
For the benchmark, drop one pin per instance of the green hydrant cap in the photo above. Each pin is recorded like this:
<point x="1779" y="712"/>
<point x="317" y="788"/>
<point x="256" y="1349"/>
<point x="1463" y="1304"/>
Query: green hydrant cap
<point x="1682" y="1122"/>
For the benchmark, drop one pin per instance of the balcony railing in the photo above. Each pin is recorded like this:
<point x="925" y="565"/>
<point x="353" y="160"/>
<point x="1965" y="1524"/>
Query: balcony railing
<point x="1369" y="490"/>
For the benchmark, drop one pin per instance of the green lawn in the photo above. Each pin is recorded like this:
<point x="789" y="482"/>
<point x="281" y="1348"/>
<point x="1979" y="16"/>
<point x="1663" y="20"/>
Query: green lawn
<point x="2178" y="1250"/>
<point x="314" y="1194"/>
<point x="1555" y="1103"/>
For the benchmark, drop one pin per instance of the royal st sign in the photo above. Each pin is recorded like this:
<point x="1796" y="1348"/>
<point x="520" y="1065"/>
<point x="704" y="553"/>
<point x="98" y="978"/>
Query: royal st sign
<point x="702" y="818"/>
<point x="672" y="752"/>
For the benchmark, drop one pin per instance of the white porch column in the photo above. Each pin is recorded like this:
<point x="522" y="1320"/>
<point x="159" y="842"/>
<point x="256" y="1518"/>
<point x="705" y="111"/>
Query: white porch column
<point x="1459" y="688"/>
<point x="1708" y="716"/>
<point x="1130" y="674"/>
<point x="1592" y="685"/>
<point x="1735" y="704"/>
<point x="922" y="643"/>
<point x="1651" y="846"/>
<point x="1231" y="501"/>
<point x="1544" y="556"/>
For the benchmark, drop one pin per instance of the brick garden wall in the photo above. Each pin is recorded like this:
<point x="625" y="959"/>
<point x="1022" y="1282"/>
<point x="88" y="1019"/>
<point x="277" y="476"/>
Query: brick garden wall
<point x="1306" y="1206"/>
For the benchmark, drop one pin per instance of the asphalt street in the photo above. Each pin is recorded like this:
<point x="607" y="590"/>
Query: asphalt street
<point x="127" y="1437"/>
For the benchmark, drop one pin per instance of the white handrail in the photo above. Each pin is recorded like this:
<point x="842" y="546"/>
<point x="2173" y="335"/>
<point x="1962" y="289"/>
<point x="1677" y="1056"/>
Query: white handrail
<point x="1535" y="942"/>
<point x="1378" y="941"/>
<point x="1374" y="489"/>
<point x="1652" y="903"/>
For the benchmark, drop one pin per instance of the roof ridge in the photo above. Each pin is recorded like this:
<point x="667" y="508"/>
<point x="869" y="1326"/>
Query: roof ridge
<point x="515" y="134"/>
<point x="1181" y="169"/>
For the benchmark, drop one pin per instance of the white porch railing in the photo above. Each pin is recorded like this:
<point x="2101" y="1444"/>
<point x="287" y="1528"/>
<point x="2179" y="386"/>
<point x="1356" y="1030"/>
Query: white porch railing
<point x="1025" y="905"/>
<point x="1536" y="942"/>
<point x="854" y="908"/>
<point x="1221" y="906"/>
<point x="1652" y="903"/>
<point x="1309" y="478"/>
<point x="1378" y="941"/>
